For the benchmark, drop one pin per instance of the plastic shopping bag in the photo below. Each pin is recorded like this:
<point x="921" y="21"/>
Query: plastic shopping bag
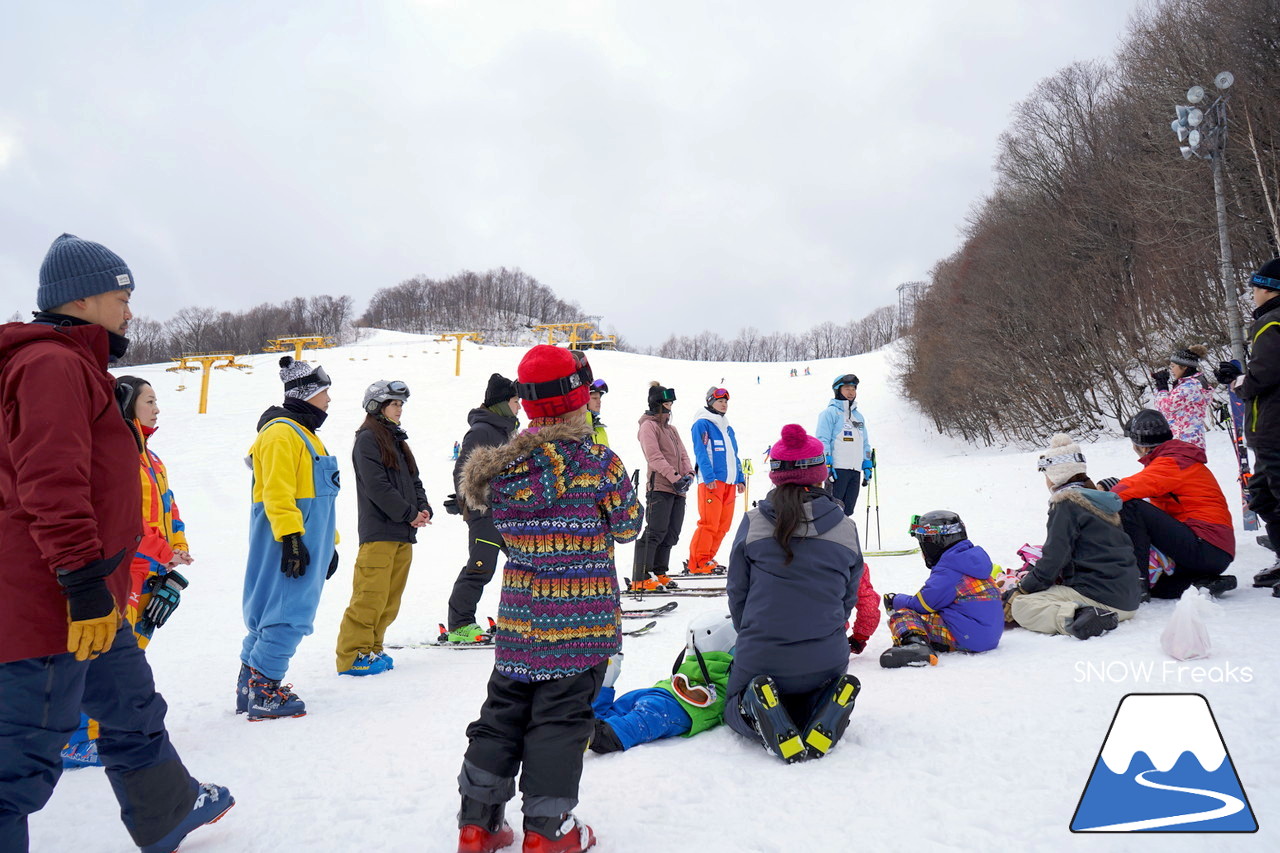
<point x="1186" y="637"/>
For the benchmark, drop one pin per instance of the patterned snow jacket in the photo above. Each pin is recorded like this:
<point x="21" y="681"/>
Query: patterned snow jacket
<point x="959" y="588"/>
<point x="1176" y="480"/>
<point x="1086" y="549"/>
<point x="163" y="531"/>
<point x="560" y="501"/>
<point x="1184" y="406"/>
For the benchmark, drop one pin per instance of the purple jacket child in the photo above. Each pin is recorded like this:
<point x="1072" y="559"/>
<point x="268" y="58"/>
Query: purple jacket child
<point x="960" y="591"/>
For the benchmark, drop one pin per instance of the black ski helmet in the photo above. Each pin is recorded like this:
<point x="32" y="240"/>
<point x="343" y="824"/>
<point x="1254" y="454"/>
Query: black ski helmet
<point x="1148" y="428"/>
<point x="659" y="394"/>
<point x="937" y="531"/>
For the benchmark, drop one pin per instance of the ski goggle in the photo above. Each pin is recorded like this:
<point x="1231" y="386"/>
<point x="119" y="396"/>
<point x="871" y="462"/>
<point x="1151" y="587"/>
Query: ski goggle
<point x="847" y="379"/>
<point x="667" y="395"/>
<point x="697" y="695"/>
<point x="315" y="377"/>
<point x="790" y="464"/>
<point x="717" y="394"/>
<point x="600" y="387"/>
<point x="919" y="528"/>
<point x="558" y="387"/>
<point x="1066" y="459"/>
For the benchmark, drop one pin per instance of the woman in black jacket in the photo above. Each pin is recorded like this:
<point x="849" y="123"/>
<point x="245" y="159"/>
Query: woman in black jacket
<point x="392" y="506"/>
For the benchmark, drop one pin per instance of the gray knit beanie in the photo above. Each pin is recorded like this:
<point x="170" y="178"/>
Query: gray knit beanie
<point x="301" y="380"/>
<point x="76" y="269"/>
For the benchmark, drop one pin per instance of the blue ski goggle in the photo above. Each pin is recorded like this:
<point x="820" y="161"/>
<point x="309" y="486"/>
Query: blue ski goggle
<point x="599" y="386"/>
<point x="918" y="528"/>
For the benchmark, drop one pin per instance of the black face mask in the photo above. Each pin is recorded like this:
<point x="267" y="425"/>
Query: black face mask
<point x="307" y="415"/>
<point x="118" y="345"/>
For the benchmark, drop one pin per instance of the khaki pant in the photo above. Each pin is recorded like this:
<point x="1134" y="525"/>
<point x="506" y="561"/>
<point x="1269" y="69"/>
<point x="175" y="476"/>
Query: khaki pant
<point x="1050" y="611"/>
<point x="376" y="586"/>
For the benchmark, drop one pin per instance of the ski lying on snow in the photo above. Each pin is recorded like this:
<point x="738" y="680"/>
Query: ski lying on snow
<point x="645" y="612"/>
<point x="458" y="647"/>
<point x="904" y="552"/>
<point x="638" y="631"/>
<point x="702" y="592"/>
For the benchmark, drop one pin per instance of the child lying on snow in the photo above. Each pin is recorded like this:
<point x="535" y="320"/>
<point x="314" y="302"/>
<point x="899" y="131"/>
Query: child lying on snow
<point x="958" y="609"/>
<point x="691" y="701"/>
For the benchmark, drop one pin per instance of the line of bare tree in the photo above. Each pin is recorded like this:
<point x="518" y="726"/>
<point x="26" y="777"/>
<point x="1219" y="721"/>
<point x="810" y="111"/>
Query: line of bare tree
<point x="825" y="340"/>
<point x="1096" y="252"/>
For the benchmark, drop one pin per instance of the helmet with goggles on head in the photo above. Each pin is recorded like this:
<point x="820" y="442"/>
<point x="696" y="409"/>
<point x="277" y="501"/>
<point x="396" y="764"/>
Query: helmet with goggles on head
<point x="937" y="531"/>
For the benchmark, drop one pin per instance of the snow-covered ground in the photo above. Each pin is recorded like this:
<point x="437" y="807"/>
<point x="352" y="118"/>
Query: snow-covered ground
<point x="980" y="753"/>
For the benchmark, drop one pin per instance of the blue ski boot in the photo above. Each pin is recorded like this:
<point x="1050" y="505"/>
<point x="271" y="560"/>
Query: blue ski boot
<point x="242" y="689"/>
<point x="271" y="700"/>
<point x="212" y="802"/>
<point x="367" y="664"/>
<point x="762" y="708"/>
<point x="831" y="717"/>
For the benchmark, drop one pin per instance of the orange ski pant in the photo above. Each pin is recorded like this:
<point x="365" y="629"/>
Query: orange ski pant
<point x="716" y="504"/>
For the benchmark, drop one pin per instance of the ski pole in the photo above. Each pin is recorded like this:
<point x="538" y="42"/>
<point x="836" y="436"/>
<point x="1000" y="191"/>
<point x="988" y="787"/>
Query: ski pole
<point x="875" y="486"/>
<point x="747" y="470"/>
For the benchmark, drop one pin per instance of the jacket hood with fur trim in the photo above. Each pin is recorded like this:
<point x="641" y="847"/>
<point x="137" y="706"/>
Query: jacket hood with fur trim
<point x="1104" y="505"/>
<point x="511" y="468"/>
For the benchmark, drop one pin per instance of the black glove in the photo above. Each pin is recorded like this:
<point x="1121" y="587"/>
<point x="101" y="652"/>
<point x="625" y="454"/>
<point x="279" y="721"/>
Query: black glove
<point x="1010" y="593"/>
<point x="888" y="602"/>
<point x="86" y="589"/>
<point x="166" y="592"/>
<point x="1227" y="372"/>
<point x="451" y="505"/>
<point x="857" y="646"/>
<point x="1161" y="378"/>
<point x="1107" y="483"/>
<point x="294" y="557"/>
<point x="682" y="485"/>
<point x="333" y="565"/>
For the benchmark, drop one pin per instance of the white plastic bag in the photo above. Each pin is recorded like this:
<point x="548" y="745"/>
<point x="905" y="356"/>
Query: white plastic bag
<point x="1186" y="637"/>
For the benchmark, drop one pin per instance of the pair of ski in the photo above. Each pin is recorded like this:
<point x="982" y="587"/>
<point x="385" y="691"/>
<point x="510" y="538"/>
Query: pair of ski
<point x="485" y="641"/>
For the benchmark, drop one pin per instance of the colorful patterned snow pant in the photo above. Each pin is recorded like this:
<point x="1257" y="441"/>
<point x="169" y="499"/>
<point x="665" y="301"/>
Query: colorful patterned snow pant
<point x="930" y="625"/>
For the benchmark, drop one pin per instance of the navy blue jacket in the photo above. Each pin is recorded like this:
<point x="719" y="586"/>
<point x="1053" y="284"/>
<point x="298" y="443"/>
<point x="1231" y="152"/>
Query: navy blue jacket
<point x="791" y="618"/>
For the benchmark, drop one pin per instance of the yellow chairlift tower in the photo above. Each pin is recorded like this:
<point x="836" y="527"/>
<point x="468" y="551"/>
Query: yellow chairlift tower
<point x="192" y="361"/>
<point x="297" y="343"/>
<point x="475" y="337"/>
<point x="569" y="330"/>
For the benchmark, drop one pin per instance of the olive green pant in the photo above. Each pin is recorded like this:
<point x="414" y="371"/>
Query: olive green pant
<point x="376" y="586"/>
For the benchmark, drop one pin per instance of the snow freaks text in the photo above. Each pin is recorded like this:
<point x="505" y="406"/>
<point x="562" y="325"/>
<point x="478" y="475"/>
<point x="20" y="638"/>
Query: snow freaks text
<point x="1171" y="672"/>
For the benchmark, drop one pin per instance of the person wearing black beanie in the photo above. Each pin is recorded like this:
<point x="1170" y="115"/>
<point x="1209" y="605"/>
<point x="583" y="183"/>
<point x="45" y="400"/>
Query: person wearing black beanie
<point x="490" y="425"/>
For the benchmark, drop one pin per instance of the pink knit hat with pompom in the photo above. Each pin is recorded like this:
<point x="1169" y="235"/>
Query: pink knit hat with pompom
<point x="798" y="458"/>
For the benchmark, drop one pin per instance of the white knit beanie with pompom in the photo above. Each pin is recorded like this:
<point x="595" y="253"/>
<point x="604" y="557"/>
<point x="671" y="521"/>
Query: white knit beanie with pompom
<point x="1063" y="460"/>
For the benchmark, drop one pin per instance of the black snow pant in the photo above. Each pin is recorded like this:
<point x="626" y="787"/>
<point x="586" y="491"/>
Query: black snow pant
<point x="800" y="695"/>
<point x="1195" y="560"/>
<point x="1264" y="489"/>
<point x="538" y="729"/>
<point x="484" y="544"/>
<point x="845" y="488"/>
<point x="40" y="704"/>
<point x="663" y="519"/>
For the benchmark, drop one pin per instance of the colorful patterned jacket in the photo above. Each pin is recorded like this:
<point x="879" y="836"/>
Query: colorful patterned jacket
<point x="1184" y="406"/>
<point x="163" y="531"/>
<point x="560" y="501"/>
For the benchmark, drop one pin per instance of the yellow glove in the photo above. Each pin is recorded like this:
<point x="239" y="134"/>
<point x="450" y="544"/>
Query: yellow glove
<point x="91" y="637"/>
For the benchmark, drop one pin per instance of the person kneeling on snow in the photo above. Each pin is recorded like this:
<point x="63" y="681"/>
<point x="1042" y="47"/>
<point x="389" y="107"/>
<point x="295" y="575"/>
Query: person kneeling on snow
<point x="689" y="702"/>
<point x="793" y="581"/>
<point x="957" y="610"/>
<point x="1185" y="516"/>
<point x="1085" y="582"/>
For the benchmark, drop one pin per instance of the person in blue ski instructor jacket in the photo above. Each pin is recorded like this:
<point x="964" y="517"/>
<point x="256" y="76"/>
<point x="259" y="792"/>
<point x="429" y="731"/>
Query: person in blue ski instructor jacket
<point x="292" y="540"/>
<point x="843" y="433"/>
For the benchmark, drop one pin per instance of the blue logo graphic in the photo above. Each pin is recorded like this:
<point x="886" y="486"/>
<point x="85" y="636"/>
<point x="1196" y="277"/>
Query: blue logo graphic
<point x="1164" y="768"/>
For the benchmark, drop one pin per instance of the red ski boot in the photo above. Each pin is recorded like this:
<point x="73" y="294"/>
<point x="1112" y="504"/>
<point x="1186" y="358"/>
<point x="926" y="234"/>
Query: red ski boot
<point x="557" y="835"/>
<point x="477" y="839"/>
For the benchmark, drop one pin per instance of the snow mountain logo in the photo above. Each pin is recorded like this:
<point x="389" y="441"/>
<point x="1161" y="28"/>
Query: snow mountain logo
<point x="1164" y="768"/>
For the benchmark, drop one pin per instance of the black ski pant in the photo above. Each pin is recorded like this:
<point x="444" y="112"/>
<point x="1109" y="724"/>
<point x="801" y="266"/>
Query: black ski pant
<point x="1195" y="560"/>
<point x="800" y="694"/>
<point x="1264" y="490"/>
<point x="663" y="519"/>
<point x="538" y="729"/>
<point x="484" y="545"/>
<point x="845" y="487"/>
<point x="40" y="704"/>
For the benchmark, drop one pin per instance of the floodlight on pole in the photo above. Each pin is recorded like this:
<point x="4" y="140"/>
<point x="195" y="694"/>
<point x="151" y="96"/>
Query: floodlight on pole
<point x="1195" y="94"/>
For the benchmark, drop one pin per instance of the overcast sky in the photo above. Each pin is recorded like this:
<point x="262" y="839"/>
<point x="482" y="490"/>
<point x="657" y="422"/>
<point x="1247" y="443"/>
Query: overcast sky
<point x="672" y="166"/>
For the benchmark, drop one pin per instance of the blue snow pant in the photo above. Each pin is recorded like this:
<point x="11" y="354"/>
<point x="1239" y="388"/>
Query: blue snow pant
<point x="848" y="482"/>
<point x="40" y="704"/>
<point x="801" y="695"/>
<point x="279" y="610"/>
<point x="642" y="716"/>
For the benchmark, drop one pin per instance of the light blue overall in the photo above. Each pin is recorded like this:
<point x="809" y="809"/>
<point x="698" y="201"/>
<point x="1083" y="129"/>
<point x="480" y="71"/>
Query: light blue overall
<point x="279" y="610"/>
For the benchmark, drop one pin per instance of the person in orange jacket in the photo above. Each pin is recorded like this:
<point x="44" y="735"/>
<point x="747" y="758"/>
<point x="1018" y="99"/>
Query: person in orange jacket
<point x="1185" y="515"/>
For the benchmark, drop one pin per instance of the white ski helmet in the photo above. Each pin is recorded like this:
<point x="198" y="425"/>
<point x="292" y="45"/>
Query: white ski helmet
<point x="711" y="632"/>
<point x="382" y="391"/>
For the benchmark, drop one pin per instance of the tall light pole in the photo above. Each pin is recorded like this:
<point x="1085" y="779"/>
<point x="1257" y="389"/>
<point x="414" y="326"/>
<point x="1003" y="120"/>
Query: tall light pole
<point x="1205" y="134"/>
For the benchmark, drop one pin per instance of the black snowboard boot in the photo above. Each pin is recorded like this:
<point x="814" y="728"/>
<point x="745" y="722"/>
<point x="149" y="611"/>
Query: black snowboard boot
<point x="913" y="650"/>
<point x="604" y="739"/>
<point x="1219" y="585"/>
<point x="1269" y="576"/>
<point x="1092" y="622"/>
<point x="831" y="717"/>
<point x="1265" y="541"/>
<point x="762" y="708"/>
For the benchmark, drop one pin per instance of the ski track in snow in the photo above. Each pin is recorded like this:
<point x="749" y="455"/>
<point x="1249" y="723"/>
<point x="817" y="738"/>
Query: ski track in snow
<point x="980" y="752"/>
<point x="1230" y="805"/>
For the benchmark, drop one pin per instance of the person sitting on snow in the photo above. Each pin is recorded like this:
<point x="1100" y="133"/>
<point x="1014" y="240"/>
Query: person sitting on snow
<point x="957" y="610"/>
<point x="1085" y="580"/>
<point x="1185" y="515"/>
<point x="689" y="702"/>
<point x="867" y="616"/>
<point x="793" y="580"/>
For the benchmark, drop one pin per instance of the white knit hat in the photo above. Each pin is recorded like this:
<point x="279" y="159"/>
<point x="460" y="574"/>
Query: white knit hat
<point x="1063" y="460"/>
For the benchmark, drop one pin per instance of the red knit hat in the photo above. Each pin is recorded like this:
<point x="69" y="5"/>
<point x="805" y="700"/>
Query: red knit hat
<point x="551" y="382"/>
<point x="797" y="458"/>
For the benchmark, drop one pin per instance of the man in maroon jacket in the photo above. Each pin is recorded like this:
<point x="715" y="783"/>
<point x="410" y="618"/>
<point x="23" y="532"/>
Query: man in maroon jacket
<point x="70" y="519"/>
